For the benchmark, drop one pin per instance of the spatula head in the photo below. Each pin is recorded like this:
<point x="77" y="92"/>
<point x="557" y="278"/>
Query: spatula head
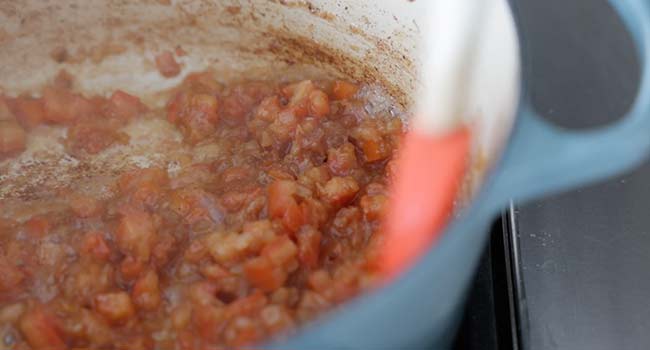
<point x="430" y="170"/>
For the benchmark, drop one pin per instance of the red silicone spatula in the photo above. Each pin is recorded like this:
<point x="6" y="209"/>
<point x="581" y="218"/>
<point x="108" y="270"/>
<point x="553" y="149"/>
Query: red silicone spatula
<point x="434" y="154"/>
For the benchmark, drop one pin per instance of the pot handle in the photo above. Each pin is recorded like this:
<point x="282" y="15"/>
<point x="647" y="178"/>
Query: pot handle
<point x="542" y="158"/>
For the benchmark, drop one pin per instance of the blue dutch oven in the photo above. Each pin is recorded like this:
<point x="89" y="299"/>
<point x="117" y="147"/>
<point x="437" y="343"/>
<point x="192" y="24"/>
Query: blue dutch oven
<point x="422" y="308"/>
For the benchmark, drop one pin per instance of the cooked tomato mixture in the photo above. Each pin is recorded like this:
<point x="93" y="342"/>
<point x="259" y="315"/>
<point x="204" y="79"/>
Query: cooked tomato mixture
<point x="273" y="226"/>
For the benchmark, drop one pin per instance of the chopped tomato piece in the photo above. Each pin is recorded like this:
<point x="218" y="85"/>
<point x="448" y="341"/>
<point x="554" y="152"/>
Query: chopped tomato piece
<point x="202" y="82"/>
<point x="298" y="95"/>
<point x="268" y="109"/>
<point x="40" y="330"/>
<point x="319" y="280"/>
<point x="339" y="190"/>
<point x="263" y="274"/>
<point x="146" y="291"/>
<point x="277" y="318"/>
<point x="252" y="303"/>
<point x="313" y="212"/>
<point x="92" y="137"/>
<point x="372" y="144"/>
<point x="62" y="106"/>
<point x="281" y="252"/>
<point x="342" y="160"/>
<point x="38" y="226"/>
<point x="85" y="206"/>
<point x="281" y="197"/>
<point x="343" y="90"/>
<point x="116" y="307"/>
<point x="214" y="271"/>
<point x="195" y="114"/>
<point x="373" y="206"/>
<point x="29" y="111"/>
<point x="12" y="138"/>
<point x="319" y="104"/>
<point x="124" y="106"/>
<point x="167" y="65"/>
<point x="309" y="246"/>
<point x="293" y="217"/>
<point x="207" y="319"/>
<point x="243" y="331"/>
<point x="95" y="244"/>
<point x="136" y="234"/>
<point x="10" y="275"/>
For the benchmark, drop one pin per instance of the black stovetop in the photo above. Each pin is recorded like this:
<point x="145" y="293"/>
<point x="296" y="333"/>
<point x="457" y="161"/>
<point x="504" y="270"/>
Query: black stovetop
<point x="571" y="271"/>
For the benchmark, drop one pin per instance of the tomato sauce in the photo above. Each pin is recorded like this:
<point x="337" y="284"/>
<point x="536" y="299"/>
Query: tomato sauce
<point x="272" y="227"/>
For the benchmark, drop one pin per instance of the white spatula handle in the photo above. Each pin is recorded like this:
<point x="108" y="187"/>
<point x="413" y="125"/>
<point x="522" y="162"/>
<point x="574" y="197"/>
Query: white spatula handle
<point x="450" y="40"/>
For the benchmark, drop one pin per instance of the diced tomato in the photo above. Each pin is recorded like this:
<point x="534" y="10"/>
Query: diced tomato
<point x="281" y="197"/>
<point x="373" y="206"/>
<point x="207" y="319"/>
<point x="263" y="274"/>
<point x="268" y="109"/>
<point x="309" y="246"/>
<point x="319" y="280"/>
<point x="202" y="82"/>
<point x="181" y="316"/>
<point x="247" y="305"/>
<point x="285" y="125"/>
<point x="12" y="138"/>
<point x="136" y="342"/>
<point x="85" y="206"/>
<point x="38" y="226"/>
<point x="298" y="95"/>
<point x="195" y="251"/>
<point x="311" y="303"/>
<point x="131" y="181"/>
<point x="5" y="112"/>
<point x="343" y="90"/>
<point x="136" y="234"/>
<point x="224" y="247"/>
<point x="342" y="160"/>
<point x="164" y="250"/>
<point x="124" y="106"/>
<point x="293" y="217"/>
<point x="92" y="137"/>
<point x="29" y="111"/>
<point x="313" y="212"/>
<point x="281" y="252"/>
<point x="195" y="114"/>
<point x="146" y="291"/>
<point x="372" y="144"/>
<point x="41" y="331"/>
<point x="313" y="176"/>
<point x="339" y="190"/>
<point x="62" y="106"/>
<point x="214" y="271"/>
<point x="95" y="245"/>
<point x="319" y="104"/>
<point x="346" y="222"/>
<point x="10" y="275"/>
<point x="277" y="318"/>
<point x="116" y="307"/>
<point x="144" y="186"/>
<point x="229" y="247"/>
<point x="234" y="200"/>
<point x="243" y="331"/>
<point x="167" y="65"/>
<point x="86" y="278"/>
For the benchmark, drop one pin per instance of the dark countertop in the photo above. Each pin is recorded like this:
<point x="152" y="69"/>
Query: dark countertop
<point x="584" y="256"/>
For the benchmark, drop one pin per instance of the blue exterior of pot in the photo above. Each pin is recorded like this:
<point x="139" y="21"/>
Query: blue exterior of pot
<point x="422" y="308"/>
